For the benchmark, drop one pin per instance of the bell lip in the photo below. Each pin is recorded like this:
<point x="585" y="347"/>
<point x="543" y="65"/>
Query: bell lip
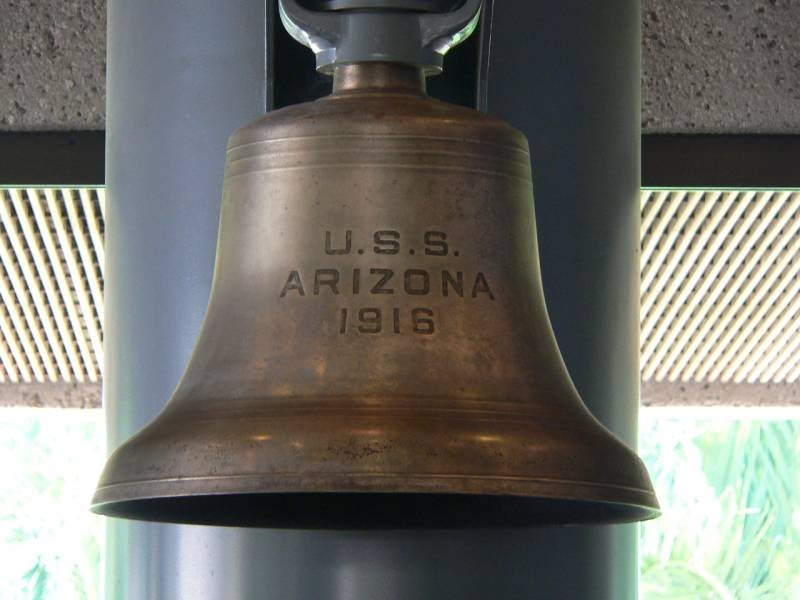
<point x="570" y="503"/>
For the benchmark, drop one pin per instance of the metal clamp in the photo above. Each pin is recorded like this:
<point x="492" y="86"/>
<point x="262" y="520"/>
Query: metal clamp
<point x="387" y="32"/>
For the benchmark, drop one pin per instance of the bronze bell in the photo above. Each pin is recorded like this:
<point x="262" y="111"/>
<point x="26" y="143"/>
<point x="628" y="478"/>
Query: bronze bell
<point x="377" y="350"/>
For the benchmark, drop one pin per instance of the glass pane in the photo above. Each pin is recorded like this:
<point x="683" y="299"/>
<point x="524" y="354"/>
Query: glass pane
<point x="729" y="486"/>
<point x="51" y="543"/>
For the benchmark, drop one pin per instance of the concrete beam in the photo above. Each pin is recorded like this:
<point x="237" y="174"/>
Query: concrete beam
<point x="709" y="66"/>
<point x="720" y="394"/>
<point x="662" y="394"/>
<point x="50" y="395"/>
<point x="87" y="395"/>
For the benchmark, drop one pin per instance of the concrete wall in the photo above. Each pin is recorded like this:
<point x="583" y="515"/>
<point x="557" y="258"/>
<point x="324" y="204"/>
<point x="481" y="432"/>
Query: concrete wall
<point x="721" y="66"/>
<point x="709" y="66"/>
<point x="52" y="64"/>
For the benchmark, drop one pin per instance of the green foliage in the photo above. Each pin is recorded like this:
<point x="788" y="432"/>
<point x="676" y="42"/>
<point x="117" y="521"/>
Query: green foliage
<point x="730" y="492"/>
<point x="729" y="488"/>
<point x="50" y="541"/>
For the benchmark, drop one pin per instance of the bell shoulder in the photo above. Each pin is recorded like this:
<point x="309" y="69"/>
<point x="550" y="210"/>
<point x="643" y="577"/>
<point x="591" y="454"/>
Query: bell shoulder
<point x="380" y="114"/>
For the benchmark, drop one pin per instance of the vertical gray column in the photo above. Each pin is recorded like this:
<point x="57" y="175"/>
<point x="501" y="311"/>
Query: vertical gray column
<point x="567" y="73"/>
<point x="182" y="76"/>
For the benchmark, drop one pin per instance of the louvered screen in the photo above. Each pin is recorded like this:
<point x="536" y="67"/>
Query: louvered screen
<point x="720" y="293"/>
<point x="51" y="246"/>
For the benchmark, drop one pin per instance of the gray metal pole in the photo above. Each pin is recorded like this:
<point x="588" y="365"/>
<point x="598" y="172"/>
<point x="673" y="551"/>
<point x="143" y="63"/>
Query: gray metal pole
<point x="567" y="74"/>
<point x="182" y="76"/>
